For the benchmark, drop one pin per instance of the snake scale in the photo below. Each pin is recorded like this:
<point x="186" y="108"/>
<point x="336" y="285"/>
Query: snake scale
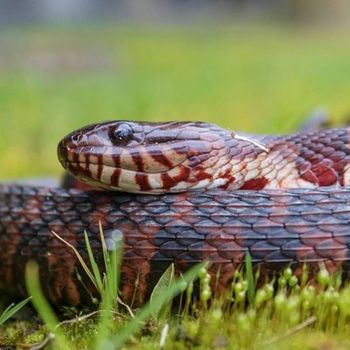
<point x="198" y="192"/>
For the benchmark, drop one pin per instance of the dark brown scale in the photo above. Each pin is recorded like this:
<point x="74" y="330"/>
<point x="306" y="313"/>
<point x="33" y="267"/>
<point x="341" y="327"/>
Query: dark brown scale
<point x="277" y="227"/>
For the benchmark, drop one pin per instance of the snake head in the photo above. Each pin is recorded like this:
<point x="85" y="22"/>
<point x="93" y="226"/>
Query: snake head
<point x="146" y="157"/>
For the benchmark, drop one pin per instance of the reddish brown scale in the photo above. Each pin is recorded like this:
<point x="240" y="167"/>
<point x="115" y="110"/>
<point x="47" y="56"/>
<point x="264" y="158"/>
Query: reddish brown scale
<point x="30" y="211"/>
<point x="60" y="285"/>
<point x="310" y="176"/>
<point x="255" y="184"/>
<point x="328" y="177"/>
<point x="201" y="174"/>
<point x="98" y="217"/>
<point x="323" y="156"/>
<point x="322" y="173"/>
<point x="230" y="179"/>
<point x="169" y="181"/>
<point x="140" y="254"/>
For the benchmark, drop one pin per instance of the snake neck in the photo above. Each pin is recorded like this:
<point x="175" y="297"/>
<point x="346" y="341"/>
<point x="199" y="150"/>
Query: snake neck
<point x="304" y="160"/>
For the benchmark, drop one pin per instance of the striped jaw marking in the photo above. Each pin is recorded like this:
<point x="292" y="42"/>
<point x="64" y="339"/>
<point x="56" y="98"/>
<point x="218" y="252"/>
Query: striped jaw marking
<point x="144" y="157"/>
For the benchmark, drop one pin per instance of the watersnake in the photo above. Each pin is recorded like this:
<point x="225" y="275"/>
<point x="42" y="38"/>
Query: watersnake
<point x="200" y="192"/>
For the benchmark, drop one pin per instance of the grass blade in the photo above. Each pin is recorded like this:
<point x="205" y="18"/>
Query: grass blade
<point x="42" y="306"/>
<point x="160" y="288"/>
<point x="147" y="311"/>
<point x="112" y="256"/>
<point x="95" y="269"/>
<point x="80" y="258"/>
<point x="112" y="259"/>
<point x="12" y="309"/>
<point x="250" y="278"/>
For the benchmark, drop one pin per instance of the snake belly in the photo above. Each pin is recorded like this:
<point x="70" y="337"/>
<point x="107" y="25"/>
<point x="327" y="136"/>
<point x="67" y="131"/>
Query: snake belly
<point x="209" y="195"/>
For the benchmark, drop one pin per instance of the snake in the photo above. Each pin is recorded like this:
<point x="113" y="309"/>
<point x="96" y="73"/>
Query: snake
<point x="179" y="193"/>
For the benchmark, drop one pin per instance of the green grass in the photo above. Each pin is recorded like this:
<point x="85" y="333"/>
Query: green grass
<point x="286" y="312"/>
<point x="251" y="77"/>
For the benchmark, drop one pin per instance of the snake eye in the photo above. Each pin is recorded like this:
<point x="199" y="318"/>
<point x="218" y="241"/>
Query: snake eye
<point x="121" y="135"/>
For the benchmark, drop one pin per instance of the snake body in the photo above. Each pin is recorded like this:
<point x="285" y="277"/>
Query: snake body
<point x="283" y="199"/>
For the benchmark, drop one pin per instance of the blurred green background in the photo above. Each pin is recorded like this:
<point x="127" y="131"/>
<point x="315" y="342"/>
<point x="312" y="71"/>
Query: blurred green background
<point x="252" y="76"/>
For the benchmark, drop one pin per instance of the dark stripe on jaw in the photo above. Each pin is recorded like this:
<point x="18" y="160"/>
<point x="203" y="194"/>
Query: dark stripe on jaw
<point x="142" y="180"/>
<point x="82" y="168"/>
<point x="116" y="160"/>
<point x="116" y="174"/>
<point x="115" y="177"/>
<point x="161" y="158"/>
<point x="117" y="171"/>
<point x="138" y="160"/>
<point x="75" y="157"/>
<point x="87" y="170"/>
<point x="99" y="166"/>
<point x="73" y="166"/>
